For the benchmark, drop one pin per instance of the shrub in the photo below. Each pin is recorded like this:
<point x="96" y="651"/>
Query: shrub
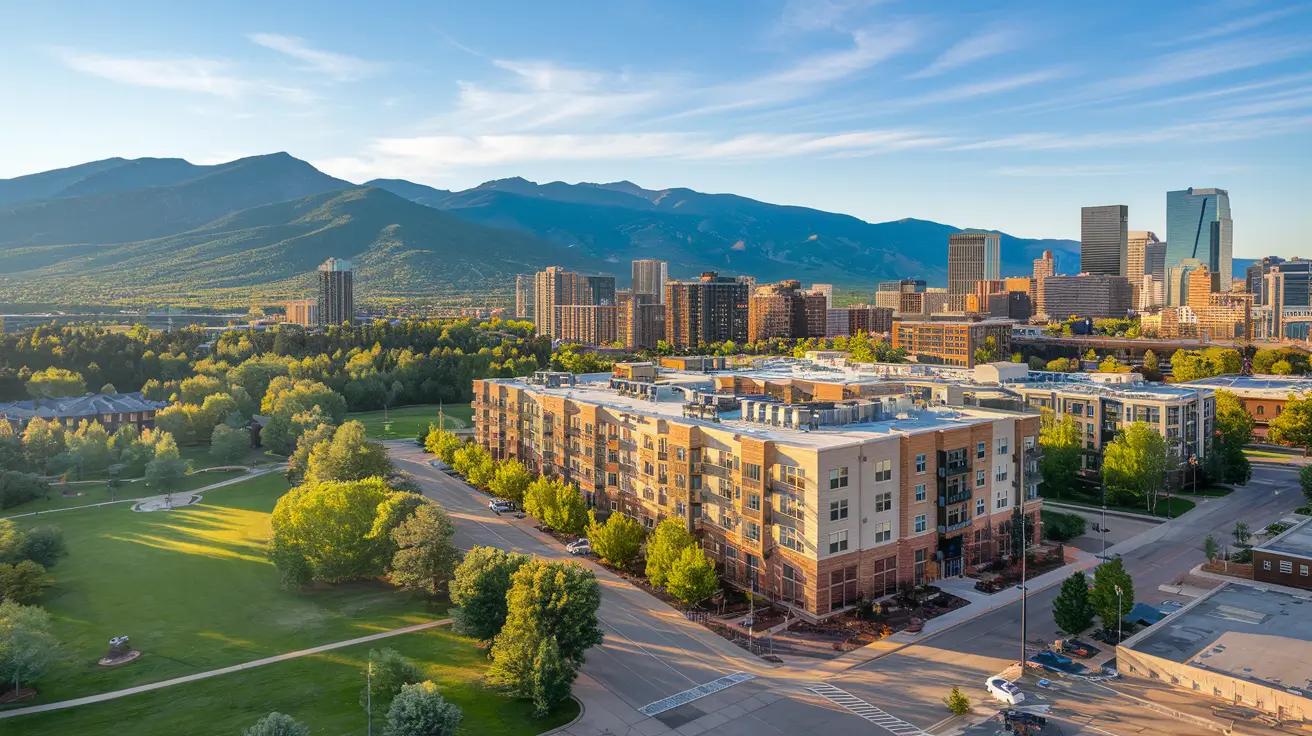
<point x="277" y="724"/>
<point x="957" y="702"/>
<point x="1062" y="527"/>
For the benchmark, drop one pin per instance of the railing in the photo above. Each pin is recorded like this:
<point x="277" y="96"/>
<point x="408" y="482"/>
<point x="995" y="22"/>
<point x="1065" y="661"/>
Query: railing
<point x="956" y="468"/>
<point x="962" y="496"/>
<point x="715" y="469"/>
<point x="949" y="528"/>
<point x="795" y="514"/>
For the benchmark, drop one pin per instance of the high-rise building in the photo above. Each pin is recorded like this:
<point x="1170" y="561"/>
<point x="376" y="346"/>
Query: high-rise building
<point x="1201" y="286"/>
<point x="827" y="290"/>
<point x="784" y="310"/>
<point x="709" y="310"/>
<point x="1087" y="295"/>
<point x="1255" y="277"/>
<point x="1177" y="283"/>
<point x="1198" y="227"/>
<point x="524" y="296"/>
<point x="554" y="287"/>
<point x="903" y="285"/>
<point x="1104" y="239"/>
<point x="587" y="324"/>
<point x="599" y="291"/>
<point x="303" y="312"/>
<point x="851" y="320"/>
<point x="1044" y="265"/>
<point x="1138" y="260"/>
<point x="649" y="277"/>
<point x="971" y="257"/>
<point x="641" y="320"/>
<point x="336" y="299"/>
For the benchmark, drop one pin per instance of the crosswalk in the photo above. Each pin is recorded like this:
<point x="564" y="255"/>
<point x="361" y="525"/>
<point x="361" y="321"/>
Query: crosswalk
<point x="861" y="708"/>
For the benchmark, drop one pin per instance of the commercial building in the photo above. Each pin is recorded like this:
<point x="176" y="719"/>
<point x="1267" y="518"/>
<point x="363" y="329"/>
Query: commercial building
<point x="587" y="324"/>
<point x="1255" y="277"/>
<point x="524" y="296"/>
<point x="111" y="410"/>
<point x="917" y="305"/>
<point x="1288" y="284"/>
<point x="1201" y="285"/>
<point x="1104" y="240"/>
<point x="1198" y="227"/>
<point x="649" y="277"/>
<point x="909" y="285"/>
<point x="851" y="320"/>
<point x="1044" y="266"/>
<point x="784" y="310"/>
<point x="336" y="299"/>
<point x="1286" y="559"/>
<point x="971" y="257"/>
<point x="1087" y="295"/>
<point x="951" y="343"/>
<point x="641" y="320"/>
<point x="303" y="312"/>
<point x="1013" y="305"/>
<point x="1263" y="397"/>
<point x="599" y="291"/>
<point x="815" y="504"/>
<point x="554" y="287"/>
<point x="710" y="310"/>
<point x="1145" y="256"/>
<point x="827" y="291"/>
<point x="1244" y="645"/>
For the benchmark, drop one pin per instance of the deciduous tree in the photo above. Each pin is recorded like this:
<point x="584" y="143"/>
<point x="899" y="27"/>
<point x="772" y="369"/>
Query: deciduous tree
<point x="277" y="724"/>
<point x="27" y="647"/>
<point x="1135" y="465"/>
<point x="166" y="471"/>
<point x="1111" y="608"/>
<point x="389" y="672"/>
<point x="350" y="456"/>
<point x="55" y="383"/>
<point x="1293" y="426"/>
<point x="664" y="547"/>
<point x="510" y="481"/>
<point x="479" y="590"/>
<point x="443" y="444"/>
<point x="425" y="558"/>
<point x="328" y="525"/>
<point x="1234" y="430"/>
<point x="420" y="710"/>
<point x="692" y="578"/>
<point x="1062" y="440"/>
<point x="42" y="440"/>
<point x="617" y="541"/>
<point x="23" y="582"/>
<point x="229" y="446"/>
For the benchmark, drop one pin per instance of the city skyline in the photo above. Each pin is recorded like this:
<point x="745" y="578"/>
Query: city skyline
<point x="822" y="92"/>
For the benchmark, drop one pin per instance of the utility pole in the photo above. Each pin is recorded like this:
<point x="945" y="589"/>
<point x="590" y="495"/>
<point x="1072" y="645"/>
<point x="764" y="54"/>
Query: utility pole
<point x="1120" y="616"/>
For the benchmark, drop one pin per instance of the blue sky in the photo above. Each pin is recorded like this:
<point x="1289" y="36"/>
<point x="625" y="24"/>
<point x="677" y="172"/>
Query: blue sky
<point x="992" y="115"/>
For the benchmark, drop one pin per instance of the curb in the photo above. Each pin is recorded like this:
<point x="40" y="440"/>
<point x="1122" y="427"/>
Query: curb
<point x="1110" y="512"/>
<point x="561" y="729"/>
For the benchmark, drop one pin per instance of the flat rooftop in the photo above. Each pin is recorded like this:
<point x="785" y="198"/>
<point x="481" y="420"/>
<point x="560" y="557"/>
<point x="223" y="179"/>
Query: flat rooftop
<point x="594" y="389"/>
<point x="1296" y="541"/>
<point x="1247" y="632"/>
<point x="1272" y="387"/>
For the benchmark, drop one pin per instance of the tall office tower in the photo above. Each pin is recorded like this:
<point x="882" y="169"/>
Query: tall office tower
<point x="749" y="282"/>
<point x="1255" y="277"/>
<point x="649" y="277"/>
<point x="1087" y="295"/>
<point x="1138" y="263"/>
<point x="599" y="291"/>
<point x="1292" y="285"/>
<point x="524" y="296"/>
<point x="1045" y="265"/>
<point x="827" y="290"/>
<point x="711" y="309"/>
<point x="1198" y="227"/>
<point x="303" y="312"/>
<point x="778" y="310"/>
<point x="971" y="257"/>
<point x="909" y="285"/>
<point x="554" y="287"/>
<point x="336" y="300"/>
<point x="1104" y="239"/>
<point x="641" y="320"/>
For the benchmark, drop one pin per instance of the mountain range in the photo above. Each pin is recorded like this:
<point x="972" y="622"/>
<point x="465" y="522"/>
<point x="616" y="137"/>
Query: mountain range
<point x="153" y="230"/>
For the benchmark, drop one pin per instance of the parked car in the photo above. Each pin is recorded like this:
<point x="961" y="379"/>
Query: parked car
<point x="500" y="504"/>
<point x="1077" y="648"/>
<point x="579" y="547"/>
<point x="1172" y="604"/>
<point x="1004" y="690"/>
<point x="1020" y="716"/>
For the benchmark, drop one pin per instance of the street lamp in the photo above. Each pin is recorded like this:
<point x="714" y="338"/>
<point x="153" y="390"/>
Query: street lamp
<point x="1103" y="526"/>
<point x="1120" y="612"/>
<point x="1024" y="588"/>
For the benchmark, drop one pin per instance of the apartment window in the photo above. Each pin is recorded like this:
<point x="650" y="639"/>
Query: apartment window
<point x="1029" y="442"/>
<point x="1002" y="446"/>
<point x="883" y="502"/>
<point x="753" y="531"/>
<point x="648" y="468"/>
<point x="920" y="523"/>
<point x="793" y="476"/>
<point x="980" y="449"/>
<point x="1000" y="473"/>
<point x="920" y="491"/>
<point x="1266" y="564"/>
<point x="883" y="532"/>
<point x="612" y="479"/>
<point x="614" y="506"/>
<point x="837" y="510"/>
<point x="921" y="463"/>
<point x="919" y="568"/>
<point x="1286" y="567"/>
<point x="587" y="428"/>
<point x="1302" y="570"/>
<point x="1001" y="502"/>
<point x="789" y="538"/>
<point x="1088" y="410"/>
<point x="680" y="509"/>
<point x="680" y="453"/>
<point x="754" y="501"/>
<point x="838" y="478"/>
<point x="980" y="478"/>
<point x="752" y="471"/>
<point x="883" y="471"/>
<point x="680" y="481"/>
<point x="838" y="542"/>
<point x="980" y="506"/>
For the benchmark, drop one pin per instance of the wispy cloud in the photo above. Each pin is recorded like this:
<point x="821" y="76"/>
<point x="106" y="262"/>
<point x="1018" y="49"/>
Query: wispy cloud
<point x="982" y="89"/>
<point x="338" y="67"/>
<point x="992" y="42"/>
<point x="815" y="15"/>
<point x="184" y="74"/>
<point x="1070" y="170"/>
<point x="1243" y="23"/>
<point x="1211" y="131"/>
<point x="1208" y="61"/>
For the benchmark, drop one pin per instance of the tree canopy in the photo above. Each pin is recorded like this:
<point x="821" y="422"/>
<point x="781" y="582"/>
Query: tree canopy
<point x="479" y="590"/>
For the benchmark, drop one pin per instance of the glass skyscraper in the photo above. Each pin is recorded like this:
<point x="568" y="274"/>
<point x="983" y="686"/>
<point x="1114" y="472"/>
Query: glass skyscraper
<point x="1198" y="227"/>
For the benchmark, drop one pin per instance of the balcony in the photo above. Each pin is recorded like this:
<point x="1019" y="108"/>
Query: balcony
<point x="961" y="496"/>
<point x="794" y="514"/>
<point x="715" y="469"/>
<point x="961" y="467"/>
<point x="949" y="528"/>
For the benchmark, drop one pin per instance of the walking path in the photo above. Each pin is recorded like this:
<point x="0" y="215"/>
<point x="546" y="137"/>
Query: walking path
<point x="211" y="487"/>
<point x="215" y="673"/>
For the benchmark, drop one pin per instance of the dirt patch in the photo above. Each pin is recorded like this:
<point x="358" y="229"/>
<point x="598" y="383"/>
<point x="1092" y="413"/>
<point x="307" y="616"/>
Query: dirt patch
<point x="11" y="696"/>
<point x="120" y="660"/>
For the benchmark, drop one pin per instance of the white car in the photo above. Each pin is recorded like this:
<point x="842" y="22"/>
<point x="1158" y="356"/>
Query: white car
<point x="1004" y="691"/>
<point x="500" y="504"/>
<point x="579" y="547"/>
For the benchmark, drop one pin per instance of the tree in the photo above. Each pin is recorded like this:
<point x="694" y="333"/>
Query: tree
<point x="298" y="464"/>
<point x="479" y="589"/>
<point x="1282" y="368"/>
<point x="23" y="582"/>
<point x="44" y="545"/>
<point x="42" y="440"/>
<point x="552" y="678"/>
<point x="16" y="488"/>
<point x="328" y="524"/>
<point x="1062" y="440"/>
<point x="26" y="645"/>
<point x="1110" y="606"/>
<point x="89" y="444"/>
<point x="287" y="402"/>
<point x="1073" y="609"/>
<point x="664" y="548"/>
<point x="277" y="724"/>
<point x="957" y="702"/>
<point x="389" y="672"/>
<point x="547" y="601"/>
<point x="618" y="541"/>
<point x="1293" y="426"/>
<point x="420" y="710"/>
<point x="167" y="469"/>
<point x="11" y="448"/>
<point x="425" y="558"/>
<point x="1305" y="482"/>
<point x="443" y="444"/>
<point x="1211" y="548"/>
<point x="1135" y="464"/>
<point x="229" y="446"/>
<point x="54" y="383"/>
<point x="510" y="481"/>
<point x="1234" y="430"/>
<point x="692" y="578"/>
<point x="350" y="456"/>
<point x="988" y="352"/>
<point x="1242" y="534"/>
<point x="1150" y="362"/>
<point x="1265" y="358"/>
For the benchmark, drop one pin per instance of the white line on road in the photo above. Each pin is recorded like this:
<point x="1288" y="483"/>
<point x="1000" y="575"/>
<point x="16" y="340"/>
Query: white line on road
<point x="861" y="708"/>
<point x="701" y="691"/>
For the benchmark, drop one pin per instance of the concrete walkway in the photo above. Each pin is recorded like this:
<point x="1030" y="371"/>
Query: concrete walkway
<point x="211" y="487"/>
<point x="216" y="673"/>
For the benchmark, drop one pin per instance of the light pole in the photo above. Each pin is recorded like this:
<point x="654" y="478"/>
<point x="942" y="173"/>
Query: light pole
<point x="1120" y="613"/>
<point x="1023" y="589"/>
<point x="1103" y="526"/>
<point x="369" y="695"/>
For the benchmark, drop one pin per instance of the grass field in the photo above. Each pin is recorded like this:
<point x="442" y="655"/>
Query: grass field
<point x="194" y="591"/>
<point x="1176" y="507"/>
<point x="1272" y="457"/>
<point x="321" y="691"/>
<point x="407" y="422"/>
<point x="89" y="492"/>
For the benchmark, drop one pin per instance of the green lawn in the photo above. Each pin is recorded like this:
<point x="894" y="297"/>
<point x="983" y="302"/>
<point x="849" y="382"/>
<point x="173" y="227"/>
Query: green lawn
<point x="1176" y="507"/>
<point x="407" y="422"/>
<point x="1269" y="456"/>
<point x="321" y="691"/>
<point x="194" y="590"/>
<point x="89" y="492"/>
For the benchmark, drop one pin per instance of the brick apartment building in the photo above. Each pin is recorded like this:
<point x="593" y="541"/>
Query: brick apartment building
<point x="951" y="343"/>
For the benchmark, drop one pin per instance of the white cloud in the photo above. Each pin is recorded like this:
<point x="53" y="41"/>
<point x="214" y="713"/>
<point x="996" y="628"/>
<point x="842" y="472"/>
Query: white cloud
<point x="339" y="67"/>
<point x="815" y="15"/>
<point x="981" y="89"/>
<point x="1199" y="63"/>
<point x="543" y="93"/>
<point x="190" y="74"/>
<point x="1071" y="170"/>
<point x="992" y="42"/>
<point x="1212" y="131"/>
<point x="1242" y="23"/>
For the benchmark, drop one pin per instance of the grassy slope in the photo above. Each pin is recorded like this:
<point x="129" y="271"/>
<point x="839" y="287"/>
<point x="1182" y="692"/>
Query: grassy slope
<point x="408" y="421"/>
<point x="320" y="691"/>
<point x="193" y="589"/>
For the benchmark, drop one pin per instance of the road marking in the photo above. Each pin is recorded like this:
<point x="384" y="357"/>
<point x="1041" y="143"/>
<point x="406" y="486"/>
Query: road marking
<point x="861" y="708"/>
<point x="701" y="691"/>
